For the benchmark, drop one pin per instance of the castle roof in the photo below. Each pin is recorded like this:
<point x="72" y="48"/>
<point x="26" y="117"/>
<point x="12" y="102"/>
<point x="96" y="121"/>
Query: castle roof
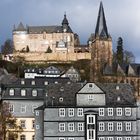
<point x="20" y="27"/>
<point x="101" y="27"/>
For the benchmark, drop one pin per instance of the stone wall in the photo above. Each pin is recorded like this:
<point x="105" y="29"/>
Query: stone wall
<point x="61" y="57"/>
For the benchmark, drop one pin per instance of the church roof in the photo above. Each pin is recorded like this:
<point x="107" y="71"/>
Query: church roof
<point x="101" y="27"/>
<point x="20" y="27"/>
<point x="65" y="20"/>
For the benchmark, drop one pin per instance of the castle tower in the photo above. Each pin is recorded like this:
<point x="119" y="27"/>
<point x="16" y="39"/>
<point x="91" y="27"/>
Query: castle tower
<point x="101" y="47"/>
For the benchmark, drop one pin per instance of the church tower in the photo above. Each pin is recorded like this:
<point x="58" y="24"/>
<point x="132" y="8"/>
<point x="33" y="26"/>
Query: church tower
<point x="101" y="47"/>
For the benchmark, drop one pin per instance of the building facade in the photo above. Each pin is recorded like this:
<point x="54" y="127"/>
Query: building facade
<point x="88" y="112"/>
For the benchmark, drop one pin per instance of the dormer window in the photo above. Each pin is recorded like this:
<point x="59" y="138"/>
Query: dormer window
<point x="34" y="92"/>
<point x="117" y="87"/>
<point x="61" y="89"/>
<point x="23" y="92"/>
<point x="90" y="85"/>
<point x="118" y="98"/>
<point x="46" y="83"/>
<point x="11" y="92"/>
<point x="61" y="99"/>
<point x="22" y="82"/>
<point x="33" y="82"/>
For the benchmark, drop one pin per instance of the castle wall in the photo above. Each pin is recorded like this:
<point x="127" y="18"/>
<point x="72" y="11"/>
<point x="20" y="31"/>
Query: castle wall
<point x="58" y="56"/>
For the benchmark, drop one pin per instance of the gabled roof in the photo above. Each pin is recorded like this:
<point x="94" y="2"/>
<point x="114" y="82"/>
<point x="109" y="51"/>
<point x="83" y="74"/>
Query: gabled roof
<point x="90" y="88"/>
<point x="101" y="27"/>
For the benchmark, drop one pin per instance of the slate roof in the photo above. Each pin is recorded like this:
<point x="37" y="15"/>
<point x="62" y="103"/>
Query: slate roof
<point x="124" y="69"/>
<point x="101" y="28"/>
<point x="20" y="27"/>
<point x="118" y="94"/>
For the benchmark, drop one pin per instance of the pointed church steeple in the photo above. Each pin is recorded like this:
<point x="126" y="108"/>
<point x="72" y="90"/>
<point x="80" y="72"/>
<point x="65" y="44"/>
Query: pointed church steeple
<point x="65" y="21"/>
<point x="101" y="28"/>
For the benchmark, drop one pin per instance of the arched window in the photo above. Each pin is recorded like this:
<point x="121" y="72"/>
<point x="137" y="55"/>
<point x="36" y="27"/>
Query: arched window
<point x="11" y="92"/>
<point x="34" y="92"/>
<point x="22" y="137"/>
<point x="23" y="92"/>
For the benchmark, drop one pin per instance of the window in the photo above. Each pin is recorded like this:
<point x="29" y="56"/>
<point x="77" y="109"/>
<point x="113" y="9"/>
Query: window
<point x="119" y="111"/>
<point x="23" y="109"/>
<point x="33" y="83"/>
<point x="110" y="126"/>
<point x="34" y="92"/>
<point x="127" y="111"/>
<point x="71" y="112"/>
<point x="101" y="126"/>
<point x="22" y="82"/>
<point x="70" y="126"/>
<point x="33" y="124"/>
<point x="34" y="107"/>
<point x="61" y="127"/>
<point x="90" y="97"/>
<point x="23" y="92"/>
<point x="11" y="108"/>
<point x="62" y="112"/>
<point x="101" y="111"/>
<point x="110" y="138"/>
<point x="101" y="138"/>
<point x="119" y="138"/>
<point x="110" y="111"/>
<point x="33" y="137"/>
<point x="128" y="126"/>
<point x="70" y="138"/>
<point x="119" y="126"/>
<point x="128" y="138"/>
<point x="37" y="126"/>
<point x="80" y="112"/>
<point x="60" y="99"/>
<point x="46" y="83"/>
<point x="80" y="126"/>
<point x="22" y="137"/>
<point x="23" y="123"/>
<point x="37" y="113"/>
<point x="11" y="92"/>
<point x="61" y="138"/>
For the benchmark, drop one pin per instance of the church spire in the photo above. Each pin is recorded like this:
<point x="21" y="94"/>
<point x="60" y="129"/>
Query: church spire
<point x="101" y="28"/>
<point x="65" y="21"/>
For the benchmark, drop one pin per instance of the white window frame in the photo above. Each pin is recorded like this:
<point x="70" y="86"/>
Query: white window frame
<point x="23" y="109"/>
<point x="119" y="111"/>
<point x="90" y="97"/>
<point x="11" y="92"/>
<point x="128" y="111"/>
<point x="119" y="126"/>
<point x="119" y="138"/>
<point x="128" y="126"/>
<point x="61" y="138"/>
<point x="80" y="126"/>
<point x="61" y="112"/>
<point x="11" y="108"/>
<point x="33" y="82"/>
<point x="34" y="92"/>
<point x="70" y="112"/>
<point x="110" y="111"/>
<point x="101" y="126"/>
<point x="61" y="127"/>
<point x="71" y="127"/>
<point x="101" y="138"/>
<point x="128" y="138"/>
<point x="23" y="123"/>
<point x="80" y="112"/>
<point x="22" y="82"/>
<point x="23" y="92"/>
<point x="110" y="126"/>
<point x="70" y="138"/>
<point x="110" y="138"/>
<point x="101" y="111"/>
<point x="37" y="126"/>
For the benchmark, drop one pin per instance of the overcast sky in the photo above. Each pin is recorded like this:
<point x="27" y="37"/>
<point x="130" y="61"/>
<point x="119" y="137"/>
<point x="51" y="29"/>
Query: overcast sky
<point x="122" y="17"/>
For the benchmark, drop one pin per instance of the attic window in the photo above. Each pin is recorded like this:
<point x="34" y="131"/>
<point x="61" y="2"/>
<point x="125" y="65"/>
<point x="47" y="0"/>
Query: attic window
<point x="117" y="87"/>
<point x="61" y="99"/>
<point x="90" y="85"/>
<point x="61" y="89"/>
<point x="22" y="82"/>
<point x="118" y="98"/>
